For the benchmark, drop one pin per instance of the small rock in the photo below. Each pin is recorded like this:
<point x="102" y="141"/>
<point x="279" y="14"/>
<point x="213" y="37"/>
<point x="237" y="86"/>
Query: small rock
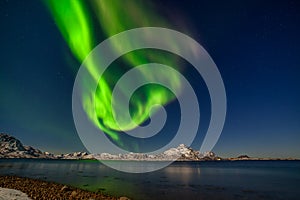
<point x="74" y="194"/>
<point x="124" y="198"/>
<point x="65" y="188"/>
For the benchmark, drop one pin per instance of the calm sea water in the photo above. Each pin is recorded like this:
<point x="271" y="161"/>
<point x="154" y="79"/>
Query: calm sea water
<point x="180" y="180"/>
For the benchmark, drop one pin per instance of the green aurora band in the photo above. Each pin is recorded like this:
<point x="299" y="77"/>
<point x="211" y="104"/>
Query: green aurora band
<point x="77" y="27"/>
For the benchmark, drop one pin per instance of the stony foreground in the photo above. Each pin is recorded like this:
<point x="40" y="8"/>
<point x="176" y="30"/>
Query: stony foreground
<point x="37" y="189"/>
<point x="11" y="194"/>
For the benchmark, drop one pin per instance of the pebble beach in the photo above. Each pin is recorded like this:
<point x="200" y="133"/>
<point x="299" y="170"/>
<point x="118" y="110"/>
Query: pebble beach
<point x="26" y="188"/>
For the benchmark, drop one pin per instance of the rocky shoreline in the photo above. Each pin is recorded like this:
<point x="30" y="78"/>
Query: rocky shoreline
<point x="42" y="190"/>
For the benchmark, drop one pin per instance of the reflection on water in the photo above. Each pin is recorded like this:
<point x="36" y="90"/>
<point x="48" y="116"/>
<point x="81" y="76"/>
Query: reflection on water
<point x="182" y="173"/>
<point x="180" y="180"/>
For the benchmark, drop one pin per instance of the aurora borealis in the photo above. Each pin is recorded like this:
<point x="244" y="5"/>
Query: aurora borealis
<point x="255" y="45"/>
<point x="73" y="20"/>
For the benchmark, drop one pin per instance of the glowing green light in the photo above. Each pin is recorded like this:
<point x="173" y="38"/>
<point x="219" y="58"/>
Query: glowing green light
<point x="73" y="20"/>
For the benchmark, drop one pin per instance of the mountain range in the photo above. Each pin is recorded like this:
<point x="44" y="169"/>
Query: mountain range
<point x="10" y="147"/>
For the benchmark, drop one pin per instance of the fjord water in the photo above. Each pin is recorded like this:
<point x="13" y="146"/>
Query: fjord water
<point x="180" y="180"/>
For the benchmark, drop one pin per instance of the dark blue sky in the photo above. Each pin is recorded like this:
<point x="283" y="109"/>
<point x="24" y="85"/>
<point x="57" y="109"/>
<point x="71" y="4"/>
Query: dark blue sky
<point x="255" y="45"/>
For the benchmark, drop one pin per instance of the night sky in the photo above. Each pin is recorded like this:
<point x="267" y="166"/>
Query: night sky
<point x="255" y="44"/>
